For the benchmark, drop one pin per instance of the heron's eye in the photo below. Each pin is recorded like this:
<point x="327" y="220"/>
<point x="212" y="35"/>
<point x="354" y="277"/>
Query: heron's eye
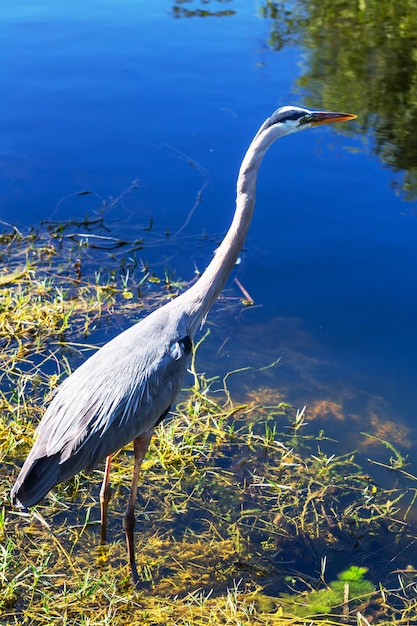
<point x="306" y="119"/>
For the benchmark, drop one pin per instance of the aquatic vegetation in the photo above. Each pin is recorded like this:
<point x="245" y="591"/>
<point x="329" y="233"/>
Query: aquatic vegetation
<point x="247" y="516"/>
<point x="350" y="587"/>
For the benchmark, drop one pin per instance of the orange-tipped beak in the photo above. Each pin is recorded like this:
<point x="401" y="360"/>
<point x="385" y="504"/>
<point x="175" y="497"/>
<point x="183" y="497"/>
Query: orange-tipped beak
<point x="322" y="117"/>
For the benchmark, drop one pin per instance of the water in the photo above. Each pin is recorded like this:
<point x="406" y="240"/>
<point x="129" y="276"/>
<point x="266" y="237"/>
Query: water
<point x="96" y="95"/>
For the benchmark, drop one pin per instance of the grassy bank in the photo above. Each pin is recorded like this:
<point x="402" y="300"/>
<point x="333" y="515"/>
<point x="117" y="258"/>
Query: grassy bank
<point x="245" y="515"/>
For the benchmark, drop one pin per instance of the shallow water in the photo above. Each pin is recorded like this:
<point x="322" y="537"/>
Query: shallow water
<point x="97" y="95"/>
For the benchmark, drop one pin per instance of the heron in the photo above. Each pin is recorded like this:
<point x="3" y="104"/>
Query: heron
<point x="127" y="387"/>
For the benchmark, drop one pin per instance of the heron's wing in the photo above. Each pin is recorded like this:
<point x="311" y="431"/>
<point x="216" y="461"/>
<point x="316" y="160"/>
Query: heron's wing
<point x="112" y="398"/>
<point x="105" y="405"/>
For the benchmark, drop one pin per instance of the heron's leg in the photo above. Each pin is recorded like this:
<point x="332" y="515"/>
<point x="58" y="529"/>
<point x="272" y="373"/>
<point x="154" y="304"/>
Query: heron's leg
<point x="141" y="445"/>
<point x="105" y="493"/>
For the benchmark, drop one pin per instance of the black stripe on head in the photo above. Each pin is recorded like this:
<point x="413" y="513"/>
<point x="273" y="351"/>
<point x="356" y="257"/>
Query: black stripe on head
<point x="285" y="114"/>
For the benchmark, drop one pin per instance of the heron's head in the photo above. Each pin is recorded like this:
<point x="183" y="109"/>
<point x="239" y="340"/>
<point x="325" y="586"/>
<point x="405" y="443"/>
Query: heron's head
<point x="291" y="119"/>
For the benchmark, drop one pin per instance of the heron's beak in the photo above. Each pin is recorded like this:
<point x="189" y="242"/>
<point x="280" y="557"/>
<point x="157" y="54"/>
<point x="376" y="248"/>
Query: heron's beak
<point x="322" y="117"/>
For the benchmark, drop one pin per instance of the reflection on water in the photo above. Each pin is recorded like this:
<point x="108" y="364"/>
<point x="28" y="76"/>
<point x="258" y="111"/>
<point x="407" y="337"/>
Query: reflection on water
<point x="365" y="61"/>
<point x="336" y="398"/>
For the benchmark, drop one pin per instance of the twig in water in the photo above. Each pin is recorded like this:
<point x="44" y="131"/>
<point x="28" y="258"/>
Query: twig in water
<point x="248" y="298"/>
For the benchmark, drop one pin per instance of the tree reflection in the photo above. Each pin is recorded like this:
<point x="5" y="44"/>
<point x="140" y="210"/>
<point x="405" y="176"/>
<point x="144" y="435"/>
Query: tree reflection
<point x="205" y="10"/>
<point x="362" y="56"/>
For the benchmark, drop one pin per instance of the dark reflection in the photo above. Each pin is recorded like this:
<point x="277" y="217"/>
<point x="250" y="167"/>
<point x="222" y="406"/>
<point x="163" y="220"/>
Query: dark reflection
<point x="362" y="58"/>
<point x="207" y="8"/>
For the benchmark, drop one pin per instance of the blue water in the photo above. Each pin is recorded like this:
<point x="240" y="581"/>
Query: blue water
<point x="98" y="94"/>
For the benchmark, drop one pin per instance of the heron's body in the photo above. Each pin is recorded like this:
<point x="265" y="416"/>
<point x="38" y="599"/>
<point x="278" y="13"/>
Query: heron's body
<point x="122" y="392"/>
<point x="115" y="396"/>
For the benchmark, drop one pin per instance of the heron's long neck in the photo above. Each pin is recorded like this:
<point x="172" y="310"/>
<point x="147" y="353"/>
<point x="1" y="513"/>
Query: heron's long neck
<point x="201" y="296"/>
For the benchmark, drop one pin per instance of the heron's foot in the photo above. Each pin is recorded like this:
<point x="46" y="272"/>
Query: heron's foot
<point x="138" y="583"/>
<point x="134" y="576"/>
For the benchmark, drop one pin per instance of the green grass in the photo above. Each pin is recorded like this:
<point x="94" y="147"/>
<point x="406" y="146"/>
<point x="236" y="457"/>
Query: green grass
<point x="245" y="516"/>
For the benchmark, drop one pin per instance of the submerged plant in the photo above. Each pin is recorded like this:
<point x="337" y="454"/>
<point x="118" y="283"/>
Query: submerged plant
<point x="350" y="589"/>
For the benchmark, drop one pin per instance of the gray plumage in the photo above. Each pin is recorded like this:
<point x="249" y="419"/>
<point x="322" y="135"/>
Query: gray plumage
<point x="112" y="398"/>
<point x="121" y="392"/>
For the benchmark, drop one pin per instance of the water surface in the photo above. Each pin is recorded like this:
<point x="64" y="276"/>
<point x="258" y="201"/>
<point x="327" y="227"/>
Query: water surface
<point x="96" y="95"/>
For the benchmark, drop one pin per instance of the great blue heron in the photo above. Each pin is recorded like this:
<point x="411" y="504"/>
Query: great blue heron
<point x="122" y="392"/>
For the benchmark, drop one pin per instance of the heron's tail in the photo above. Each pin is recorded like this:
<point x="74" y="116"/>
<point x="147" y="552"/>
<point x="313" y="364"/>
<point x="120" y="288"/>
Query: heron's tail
<point x="36" y="478"/>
